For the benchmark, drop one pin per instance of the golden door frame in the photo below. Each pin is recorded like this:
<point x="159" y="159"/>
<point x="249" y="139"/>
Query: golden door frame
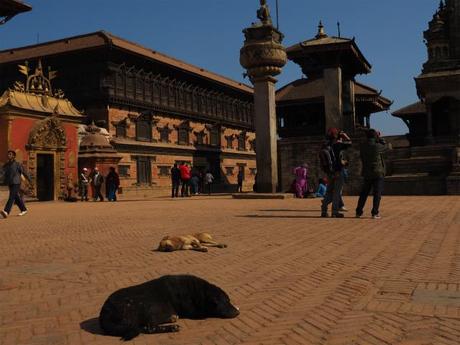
<point x="48" y="137"/>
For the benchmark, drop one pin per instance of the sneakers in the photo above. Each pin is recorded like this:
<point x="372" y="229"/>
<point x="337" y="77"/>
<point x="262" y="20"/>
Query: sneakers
<point x="343" y="209"/>
<point x="23" y="213"/>
<point x="4" y="214"/>
<point x="358" y="214"/>
<point x="376" y="216"/>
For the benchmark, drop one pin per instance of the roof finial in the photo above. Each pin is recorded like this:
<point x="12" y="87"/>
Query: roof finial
<point x="321" y="33"/>
<point x="441" y="5"/>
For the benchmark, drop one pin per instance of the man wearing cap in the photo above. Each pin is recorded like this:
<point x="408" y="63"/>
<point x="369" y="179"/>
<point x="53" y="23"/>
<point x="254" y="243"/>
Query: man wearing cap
<point x="84" y="183"/>
<point x="98" y="181"/>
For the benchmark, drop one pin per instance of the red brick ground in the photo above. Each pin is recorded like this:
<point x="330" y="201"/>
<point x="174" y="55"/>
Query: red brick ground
<point x="297" y="278"/>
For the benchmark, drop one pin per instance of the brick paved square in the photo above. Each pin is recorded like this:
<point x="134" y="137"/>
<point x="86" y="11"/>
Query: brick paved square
<point x="297" y="278"/>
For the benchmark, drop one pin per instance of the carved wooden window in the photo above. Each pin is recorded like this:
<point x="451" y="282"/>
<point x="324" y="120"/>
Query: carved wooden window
<point x="120" y="130"/>
<point x="242" y="141"/>
<point x="164" y="92"/>
<point x="139" y="86"/>
<point x="229" y="140"/>
<point x="200" y="138"/>
<point x="215" y="136"/>
<point x="144" y="170"/>
<point x="120" y="83"/>
<point x="156" y="91"/>
<point x="144" y="128"/>
<point x="164" y="134"/>
<point x="252" y="144"/>
<point x="130" y="85"/>
<point x="123" y="170"/>
<point x="229" y="171"/>
<point x="183" y="133"/>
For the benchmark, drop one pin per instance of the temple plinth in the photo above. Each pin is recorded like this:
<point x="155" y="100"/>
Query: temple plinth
<point x="263" y="57"/>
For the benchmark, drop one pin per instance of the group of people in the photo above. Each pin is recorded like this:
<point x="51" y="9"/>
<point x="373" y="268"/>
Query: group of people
<point x="334" y="163"/>
<point x="96" y="180"/>
<point x="190" y="181"/>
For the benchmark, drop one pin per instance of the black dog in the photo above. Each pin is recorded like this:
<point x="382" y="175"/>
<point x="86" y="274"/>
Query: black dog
<point x="147" y="307"/>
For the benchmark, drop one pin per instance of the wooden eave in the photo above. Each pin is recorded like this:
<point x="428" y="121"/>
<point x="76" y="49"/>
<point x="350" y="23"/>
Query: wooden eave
<point x="12" y="7"/>
<point x="101" y="39"/>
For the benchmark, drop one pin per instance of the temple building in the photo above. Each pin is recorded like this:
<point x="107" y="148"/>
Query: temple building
<point x="436" y="117"/>
<point x="328" y="96"/>
<point x="155" y="109"/>
<point x="432" y="163"/>
<point x="41" y="126"/>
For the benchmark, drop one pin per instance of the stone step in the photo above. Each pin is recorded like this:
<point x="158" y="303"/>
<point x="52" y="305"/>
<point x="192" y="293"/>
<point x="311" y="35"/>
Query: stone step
<point x="431" y="151"/>
<point x="422" y="164"/>
<point x="415" y="184"/>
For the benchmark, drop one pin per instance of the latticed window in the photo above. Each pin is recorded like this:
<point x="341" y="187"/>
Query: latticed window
<point x="183" y="133"/>
<point x="242" y="141"/>
<point x="215" y="136"/>
<point x="229" y="140"/>
<point x="120" y="130"/>
<point x="200" y="136"/>
<point x="164" y="134"/>
<point x="123" y="170"/>
<point x="164" y="170"/>
<point x="143" y="129"/>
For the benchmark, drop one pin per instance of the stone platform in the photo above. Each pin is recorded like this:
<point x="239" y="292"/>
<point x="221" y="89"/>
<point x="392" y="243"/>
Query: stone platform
<point x="297" y="278"/>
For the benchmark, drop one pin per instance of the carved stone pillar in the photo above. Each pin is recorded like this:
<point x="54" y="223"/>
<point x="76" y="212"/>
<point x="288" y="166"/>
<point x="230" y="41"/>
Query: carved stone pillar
<point x="263" y="56"/>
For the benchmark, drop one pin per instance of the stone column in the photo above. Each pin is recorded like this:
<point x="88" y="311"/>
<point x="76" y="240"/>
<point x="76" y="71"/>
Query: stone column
<point x="266" y="138"/>
<point x="349" y="107"/>
<point x="263" y="56"/>
<point x="333" y="97"/>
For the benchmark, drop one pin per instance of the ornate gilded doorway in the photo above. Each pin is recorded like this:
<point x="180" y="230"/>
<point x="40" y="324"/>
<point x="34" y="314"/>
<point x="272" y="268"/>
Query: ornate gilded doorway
<point x="47" y="146"/>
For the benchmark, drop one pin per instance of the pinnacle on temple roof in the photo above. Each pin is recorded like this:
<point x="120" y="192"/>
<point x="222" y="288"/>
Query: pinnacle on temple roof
<point x="321" y="33"/>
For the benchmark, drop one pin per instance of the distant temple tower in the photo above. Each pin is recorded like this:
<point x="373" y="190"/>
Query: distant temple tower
<point x="436" y="118"/>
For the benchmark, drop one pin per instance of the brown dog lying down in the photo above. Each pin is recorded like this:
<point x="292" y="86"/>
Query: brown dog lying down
<point x="154" y="306"/>
<point x="198" y="242"/>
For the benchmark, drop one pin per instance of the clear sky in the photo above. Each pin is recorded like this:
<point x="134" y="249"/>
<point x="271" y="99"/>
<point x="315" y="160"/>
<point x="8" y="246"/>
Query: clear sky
<point x="207" y="33"/>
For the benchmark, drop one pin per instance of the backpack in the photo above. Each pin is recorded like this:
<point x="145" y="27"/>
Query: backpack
<point x="327" y="159"/>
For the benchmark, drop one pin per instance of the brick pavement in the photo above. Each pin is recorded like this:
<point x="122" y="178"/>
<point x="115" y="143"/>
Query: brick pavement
<point x="297" y="278"/>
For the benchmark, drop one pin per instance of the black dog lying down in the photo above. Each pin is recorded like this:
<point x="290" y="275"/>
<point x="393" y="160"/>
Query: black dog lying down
<point x="147" y="307"/>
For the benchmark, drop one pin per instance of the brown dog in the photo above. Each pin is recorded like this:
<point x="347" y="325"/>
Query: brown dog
<point x="199" y="242"/>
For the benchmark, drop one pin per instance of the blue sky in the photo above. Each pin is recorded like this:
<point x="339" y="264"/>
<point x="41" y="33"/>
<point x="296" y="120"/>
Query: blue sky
<point x="208" y="33"/>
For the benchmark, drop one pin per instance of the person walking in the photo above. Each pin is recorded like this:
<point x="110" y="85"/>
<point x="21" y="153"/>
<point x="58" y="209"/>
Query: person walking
<point x="112" y="182"/>
<point x="301" y="174"/>
<point x="98" y="181"/>
<point x="14" y="172"/>
<point x="240" y="179"/>
<point x="373" y="172"/>
<point x="337" y="142"/>
<point x="185" y="178"/>
<point x="175" y="181"/>
<point x="209" y="179"/>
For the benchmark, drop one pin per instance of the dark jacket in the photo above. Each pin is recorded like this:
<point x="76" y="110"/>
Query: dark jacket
<point x="98" y="179"/>
<point x="372" y="159"/>
<point x="12" y="171"/>
<point x="338" y="148"/>
<point x="112" y="179"/>
<point x="175" y="174"/>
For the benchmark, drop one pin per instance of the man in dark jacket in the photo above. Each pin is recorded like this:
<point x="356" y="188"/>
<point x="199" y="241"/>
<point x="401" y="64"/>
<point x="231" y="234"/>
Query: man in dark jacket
<point x="98" y="181"/>
<point x="175" y="180"/>
<point x="373" y="172"/>
<point x="13" y="171"/>
<point x="338" y="141"/>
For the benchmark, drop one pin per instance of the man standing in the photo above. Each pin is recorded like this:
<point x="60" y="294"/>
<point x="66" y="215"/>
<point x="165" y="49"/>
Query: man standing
<point x="185" y="178"/>
<point x="84" y="181"/>
<point x="208" y="180"/>
<point x="98" y="180"/>
<point x="175" y="180"/>
<point x="14" y="172"/>
<point x="338" y="141"/>
<point x="112" y="182"/>
<point x="373" y="172"/>
<point x="240" y="179"/>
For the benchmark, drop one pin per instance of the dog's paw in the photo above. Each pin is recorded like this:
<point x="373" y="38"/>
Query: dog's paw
<point x="175" y="328"/>
<point x="222" y="246"/>
<point x="173" y="318"/>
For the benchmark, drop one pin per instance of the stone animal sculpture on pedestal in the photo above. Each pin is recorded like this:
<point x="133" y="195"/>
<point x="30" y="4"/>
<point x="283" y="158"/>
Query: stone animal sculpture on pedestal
<point x="154" y="306"/>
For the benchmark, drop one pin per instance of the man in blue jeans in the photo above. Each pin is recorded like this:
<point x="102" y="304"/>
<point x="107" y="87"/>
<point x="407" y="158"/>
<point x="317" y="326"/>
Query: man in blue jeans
<point x="338" y="141"/>
<point x="12" y="171"/>
<point x="373" y="172"/>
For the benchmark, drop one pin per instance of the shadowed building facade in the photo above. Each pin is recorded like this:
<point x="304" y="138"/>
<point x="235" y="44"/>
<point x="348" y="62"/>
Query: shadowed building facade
<point x="157" y="110"/>
<point x="432" y="164"/>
